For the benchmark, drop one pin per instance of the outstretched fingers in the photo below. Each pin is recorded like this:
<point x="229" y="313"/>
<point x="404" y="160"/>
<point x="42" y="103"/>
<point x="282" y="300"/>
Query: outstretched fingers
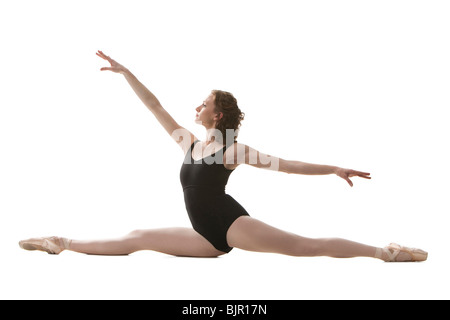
<point x="102" y="55"/>
<point x="346" y="174"/>
<point x="115" y="66"/>
<point x="361" y="174"/>
<point x="105" y="57"/>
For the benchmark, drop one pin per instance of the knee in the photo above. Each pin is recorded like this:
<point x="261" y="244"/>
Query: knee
<point x="138" y="233"/>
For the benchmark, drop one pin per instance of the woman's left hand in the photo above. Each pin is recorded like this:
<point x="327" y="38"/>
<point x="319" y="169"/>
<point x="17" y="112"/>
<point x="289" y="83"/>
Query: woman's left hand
<point x="346" y="174"/>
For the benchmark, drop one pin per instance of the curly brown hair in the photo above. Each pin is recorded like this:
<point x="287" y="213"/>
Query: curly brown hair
<point x="226" y="103"/>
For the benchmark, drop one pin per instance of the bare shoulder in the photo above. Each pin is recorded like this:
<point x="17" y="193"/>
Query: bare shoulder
<point x="240" y="153"/>
<point x="184" y="138"/>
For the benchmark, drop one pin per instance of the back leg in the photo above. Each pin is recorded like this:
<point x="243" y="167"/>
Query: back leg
<point x="251" y="234"/>
<point x="174" y="241"/>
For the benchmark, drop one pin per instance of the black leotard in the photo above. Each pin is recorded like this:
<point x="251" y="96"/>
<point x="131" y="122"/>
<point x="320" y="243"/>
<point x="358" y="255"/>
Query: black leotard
<point x="210" y="209"/>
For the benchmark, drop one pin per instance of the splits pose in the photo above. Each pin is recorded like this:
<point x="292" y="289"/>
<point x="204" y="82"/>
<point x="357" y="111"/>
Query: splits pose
<point x="219" y="222"/>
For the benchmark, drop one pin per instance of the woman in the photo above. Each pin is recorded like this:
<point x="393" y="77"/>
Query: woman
<point x="219" y="222"/>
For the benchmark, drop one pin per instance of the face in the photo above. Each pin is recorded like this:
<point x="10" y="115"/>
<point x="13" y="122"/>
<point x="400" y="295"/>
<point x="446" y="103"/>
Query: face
<point x="206" y="114"/>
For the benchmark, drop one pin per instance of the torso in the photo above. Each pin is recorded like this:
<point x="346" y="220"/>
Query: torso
<point x="204" y="177"/>
<point x="202" y="150"/>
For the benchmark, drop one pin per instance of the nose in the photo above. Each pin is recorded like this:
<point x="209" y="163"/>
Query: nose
<point x="198" y="108"/>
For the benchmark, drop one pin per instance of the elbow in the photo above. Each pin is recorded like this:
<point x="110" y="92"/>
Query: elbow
<point x="284" y="166"/>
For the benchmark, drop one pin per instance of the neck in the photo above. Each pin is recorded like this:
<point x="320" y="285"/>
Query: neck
<point x="213" y="135"/>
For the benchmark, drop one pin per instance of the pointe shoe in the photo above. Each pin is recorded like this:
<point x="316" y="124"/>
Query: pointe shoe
<point x="51" y="245"/>
<point x="393" y="250"/>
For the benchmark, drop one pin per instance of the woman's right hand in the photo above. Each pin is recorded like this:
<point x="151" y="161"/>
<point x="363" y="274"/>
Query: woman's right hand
<point x="115" y="66"/>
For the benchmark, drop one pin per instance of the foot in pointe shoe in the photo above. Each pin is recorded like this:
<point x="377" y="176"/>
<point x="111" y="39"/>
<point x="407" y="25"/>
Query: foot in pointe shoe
<point x="397" y="253"/>
<point x="51" y="245"/>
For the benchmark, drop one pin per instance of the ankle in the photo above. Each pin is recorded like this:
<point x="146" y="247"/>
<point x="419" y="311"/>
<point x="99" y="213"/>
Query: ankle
<point x="64" y="243"/>
<point x="381" y="254"/>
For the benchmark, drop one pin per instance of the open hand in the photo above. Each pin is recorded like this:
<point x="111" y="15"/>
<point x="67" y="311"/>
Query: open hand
<point x="348" y="173"/>
<point x="115" y="66"/>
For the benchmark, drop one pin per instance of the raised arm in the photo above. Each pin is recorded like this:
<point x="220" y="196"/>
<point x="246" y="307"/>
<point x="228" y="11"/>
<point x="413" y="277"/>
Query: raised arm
<point x="243" y="154"/>
<point x="152" y="103"/>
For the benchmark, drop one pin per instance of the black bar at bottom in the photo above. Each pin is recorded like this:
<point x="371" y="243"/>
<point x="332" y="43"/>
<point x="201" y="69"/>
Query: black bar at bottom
<point x="223" y="309"/>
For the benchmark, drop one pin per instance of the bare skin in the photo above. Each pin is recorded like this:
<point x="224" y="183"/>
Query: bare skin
<point x="246" y="233"/>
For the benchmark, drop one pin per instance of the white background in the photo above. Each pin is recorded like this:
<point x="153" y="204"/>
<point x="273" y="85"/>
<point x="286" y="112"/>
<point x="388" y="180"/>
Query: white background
<point x="357" y="84"/>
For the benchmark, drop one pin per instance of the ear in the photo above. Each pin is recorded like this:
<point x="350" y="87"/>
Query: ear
<point x="219" y="115"/>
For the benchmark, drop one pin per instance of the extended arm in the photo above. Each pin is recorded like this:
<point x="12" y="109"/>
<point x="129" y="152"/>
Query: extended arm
<point x="151" y="102"/>
<point x="298" y="167"/>
<point x="242" y="154"/>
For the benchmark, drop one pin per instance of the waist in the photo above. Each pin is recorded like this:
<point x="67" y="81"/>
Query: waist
<point x="205" y="188"/>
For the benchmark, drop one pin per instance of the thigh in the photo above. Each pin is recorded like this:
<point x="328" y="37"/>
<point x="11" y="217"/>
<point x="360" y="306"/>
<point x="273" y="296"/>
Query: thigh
<point x="251" y="234"/>
<point x="175" y="241"/>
